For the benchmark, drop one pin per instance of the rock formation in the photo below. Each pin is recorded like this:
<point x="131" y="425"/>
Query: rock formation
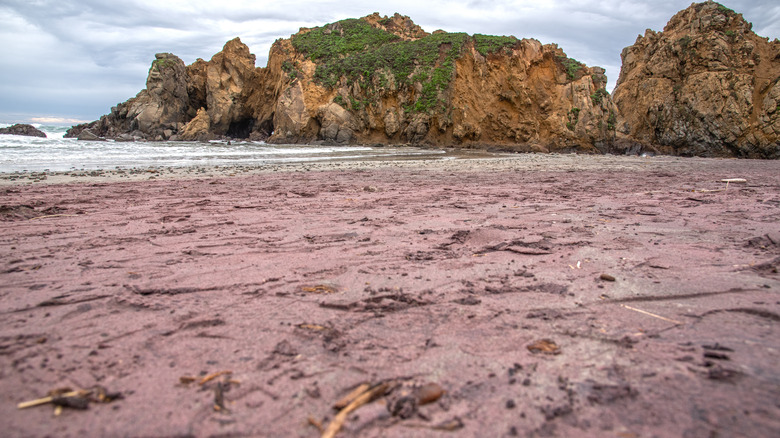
<point x="23" y="129"/>
<point x="174" y="95"/>
<point x="384" y="80"/>
<point x="707" y="86"/>
<point x="375" y="80"/>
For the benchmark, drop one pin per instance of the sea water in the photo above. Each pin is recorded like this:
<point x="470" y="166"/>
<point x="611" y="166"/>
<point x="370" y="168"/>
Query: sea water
<point x="56" y="153"/>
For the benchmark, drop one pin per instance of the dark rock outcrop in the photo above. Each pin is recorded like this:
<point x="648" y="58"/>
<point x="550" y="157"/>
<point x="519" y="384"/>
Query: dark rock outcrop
<point x="707" y="86"/>
<point x="23" y="129"/>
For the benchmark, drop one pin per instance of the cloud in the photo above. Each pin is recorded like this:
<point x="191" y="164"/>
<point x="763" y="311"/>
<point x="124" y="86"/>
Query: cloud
<point x="76" y="59"/>
<point x="57" y="120"/>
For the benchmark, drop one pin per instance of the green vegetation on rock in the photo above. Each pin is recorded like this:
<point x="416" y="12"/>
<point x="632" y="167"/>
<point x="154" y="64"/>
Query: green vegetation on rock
<point x="684" y="42"/>
<point x="355" y="50"/>
<point x="341" y="38"/>
<point x="612" y="121"/>
<point x="486" y="44"/>
<point x="725" y="10"/>
<point x="159" y="64"/>
<point x="289" y="68"/>
<point x="571" y="65"/>
<point x="574" y="117"/>
<point x="599" y="96"/>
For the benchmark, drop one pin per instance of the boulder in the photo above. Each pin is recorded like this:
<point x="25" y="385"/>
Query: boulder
<point x="23" y="129"/>
<point x="88" y="135"/>
<point x="198" y="128"/>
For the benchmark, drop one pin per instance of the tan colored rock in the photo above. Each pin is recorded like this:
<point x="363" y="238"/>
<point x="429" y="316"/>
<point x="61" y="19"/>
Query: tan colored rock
<point x="704" y="86"/>
<point x="398" y="24"/>
<point x="198" y="128"/>
<point x="229" y="81"/>
<point x="519" y="98"/>
<point x="336" y="124"/>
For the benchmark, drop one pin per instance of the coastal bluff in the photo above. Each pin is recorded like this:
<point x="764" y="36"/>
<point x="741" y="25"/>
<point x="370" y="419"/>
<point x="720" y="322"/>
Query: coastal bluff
<point x="706" y="85"/>
<point x="384" y="80"/>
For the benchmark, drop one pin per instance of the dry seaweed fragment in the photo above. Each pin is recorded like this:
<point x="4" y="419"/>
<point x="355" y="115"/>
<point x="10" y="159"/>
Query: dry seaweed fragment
<point x="450" y="425"/>
<point x="213" y="376"/>
<point x="349" y="398"/>
<point x="219" y="397"/>
<point x="319" y="289"/>
<point x="220" y="388"/>
<point x="74" y="399"/>
<point x="428" y="393"/>
<point x="401" y="403"/>
<point x="545" y="346"/>
<point x="366" y="397"/>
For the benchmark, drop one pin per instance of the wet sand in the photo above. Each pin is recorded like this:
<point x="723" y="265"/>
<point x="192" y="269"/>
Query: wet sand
<point x="546" y="295"/>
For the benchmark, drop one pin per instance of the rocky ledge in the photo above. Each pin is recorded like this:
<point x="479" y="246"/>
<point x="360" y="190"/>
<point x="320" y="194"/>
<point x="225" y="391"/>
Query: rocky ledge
<point x="23" y="129"/>
<point x="707" y="85"/>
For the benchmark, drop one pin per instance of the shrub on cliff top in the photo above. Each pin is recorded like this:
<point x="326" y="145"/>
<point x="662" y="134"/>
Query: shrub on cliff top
<point x="571" y="66"/>
<point x="340" y="38"/>
<point x="160" y="64"/>
<point x="357" y="51"/>
<point x="724" y="10"/>
<point x="486" y="44"/>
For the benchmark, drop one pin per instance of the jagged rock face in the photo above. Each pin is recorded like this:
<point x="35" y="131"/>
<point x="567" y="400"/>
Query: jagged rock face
<point x="402" y="85"/>
<point x="400" y="25"/>
<point x="163" y="105"/>
<point x="174" y="94"/>
<point x="229" y="81"/>
<point x="23" y="129"/>
<point x="155" y="113"/>
<point x="707" y="85"/>
<point x="524" y="96"/>
<point x="198" y="128"/>
<point x="375" y="80"/>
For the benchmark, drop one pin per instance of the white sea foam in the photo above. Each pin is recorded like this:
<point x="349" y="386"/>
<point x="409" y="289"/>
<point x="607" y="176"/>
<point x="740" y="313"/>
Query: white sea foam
<point x="56" y="153"/>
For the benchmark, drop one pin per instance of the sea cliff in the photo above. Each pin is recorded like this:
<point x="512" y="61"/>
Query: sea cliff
<point x="707" y="85"/>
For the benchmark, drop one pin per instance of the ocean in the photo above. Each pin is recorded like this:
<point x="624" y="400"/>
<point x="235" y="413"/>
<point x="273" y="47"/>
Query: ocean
<point x="55" y="153"/>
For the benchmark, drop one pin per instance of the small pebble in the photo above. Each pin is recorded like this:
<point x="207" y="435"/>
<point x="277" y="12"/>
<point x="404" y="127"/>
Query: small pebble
<point x="607" y="277"/>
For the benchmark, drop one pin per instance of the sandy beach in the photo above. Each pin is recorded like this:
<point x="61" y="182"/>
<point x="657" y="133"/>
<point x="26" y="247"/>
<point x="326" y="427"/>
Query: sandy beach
<point x="514" y="295"/>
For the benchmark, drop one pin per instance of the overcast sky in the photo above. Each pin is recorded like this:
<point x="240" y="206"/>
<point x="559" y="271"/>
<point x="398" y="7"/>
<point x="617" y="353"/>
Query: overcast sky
<point x="74" y="60"/>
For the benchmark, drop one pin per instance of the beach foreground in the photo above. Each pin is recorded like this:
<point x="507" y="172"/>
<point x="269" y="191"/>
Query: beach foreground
<point x="557" y="295"/>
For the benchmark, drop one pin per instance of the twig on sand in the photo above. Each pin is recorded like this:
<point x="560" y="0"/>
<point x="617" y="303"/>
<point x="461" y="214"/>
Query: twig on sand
<point x="650" y="314"/>
<point x="316" y="424"/>
<point x="53" y="215"/>
<point x="46" y="400"/>
<point x="79" y="399"/>
<point x="213" y="376"/>
<point x="349" y="398"/>
<point x="366" y="397"/>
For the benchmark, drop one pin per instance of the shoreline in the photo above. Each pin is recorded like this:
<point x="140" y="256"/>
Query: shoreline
<point x="453" y="161"/>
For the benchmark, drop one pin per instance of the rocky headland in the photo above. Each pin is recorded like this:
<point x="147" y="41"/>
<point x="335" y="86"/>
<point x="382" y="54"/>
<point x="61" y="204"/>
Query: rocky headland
<point x="23" y="129"/>
<point x="707" y="85"/>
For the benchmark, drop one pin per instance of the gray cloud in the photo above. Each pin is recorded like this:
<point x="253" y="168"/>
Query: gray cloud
<point x="78" y="58"/>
